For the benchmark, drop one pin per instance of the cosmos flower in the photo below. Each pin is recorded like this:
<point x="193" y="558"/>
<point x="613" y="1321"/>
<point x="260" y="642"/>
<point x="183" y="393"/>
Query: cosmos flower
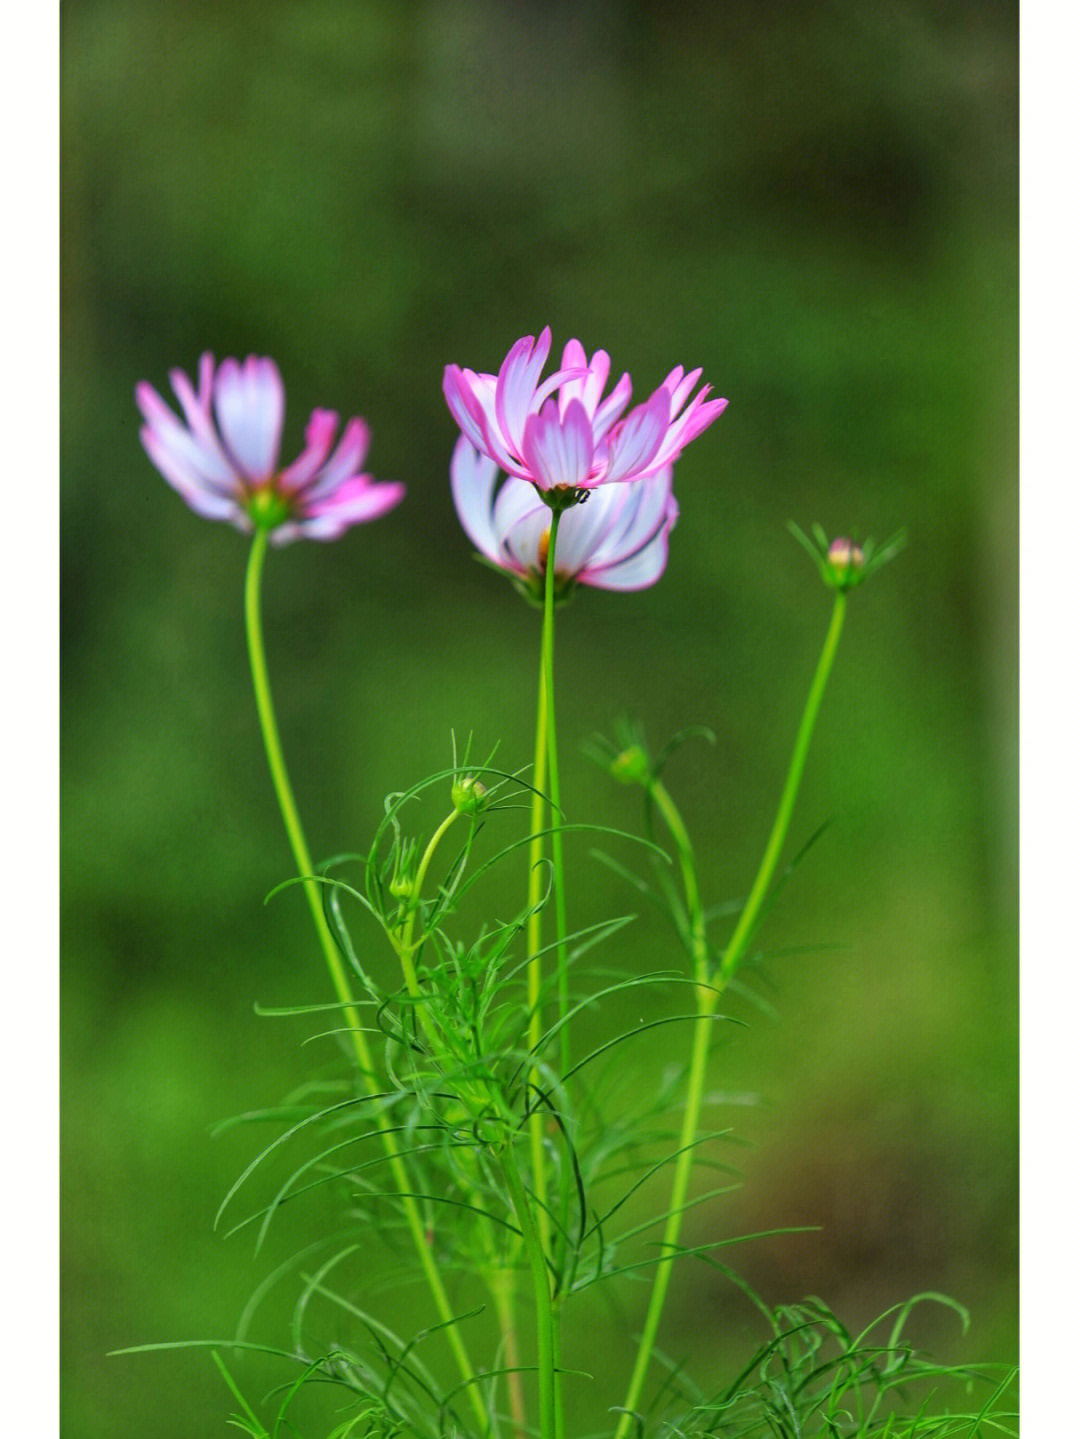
<point x="617" y="541"/>
<point x="562" y="435"/>
<point x="222" y="459"/>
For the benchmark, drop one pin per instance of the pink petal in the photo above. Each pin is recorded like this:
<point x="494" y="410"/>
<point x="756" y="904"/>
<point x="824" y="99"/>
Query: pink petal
<point x="471" y="399"/>
<point x="342" y="465"/>
<point x="205" y="462"/>
<point x="635" y="440"/>
<point x="697" y="417"/>
<point x="612" y="408"/>
<point x="318" y="437"/>
<point x="637" y="573"/>
<point x="641" y="569"/>
<point x="558" y="453"/>
<point x="354" y="502"/>
<point x="519" y="374"/>
<point x="249" y="401"/>
<point x="524" y="545"/>
<point x="589" y="385"/>
<point x="204" y="499"/>
<point x="473" y="478"/>
<point x="681" y="390"/>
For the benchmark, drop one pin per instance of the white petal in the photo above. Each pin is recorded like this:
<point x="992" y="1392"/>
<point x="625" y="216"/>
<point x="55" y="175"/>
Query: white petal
<point x="473" y="477"/>
<point x="249" y="401"/>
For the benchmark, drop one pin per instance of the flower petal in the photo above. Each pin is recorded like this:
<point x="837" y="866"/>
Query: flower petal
<point x="357" y="500"/>
<point x="205" y="463"/>
<point x="318" y="438"/>
<point x="558" y="452"/>
<point x="519" y="374"/>
<point x="584" y="529"/>
<point x="524" y="545"/>
<point x="249" y="401"/>
<point x="634" y="524"/>
<point x="204" y="499"/>
<point x="473" y="478"/>
<point x="635" y="440"/>
<point x="343" y="464"/>
<point x="641" y="569"/>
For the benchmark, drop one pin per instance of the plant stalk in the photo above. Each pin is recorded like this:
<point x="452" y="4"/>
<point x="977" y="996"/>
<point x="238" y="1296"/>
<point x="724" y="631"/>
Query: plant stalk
<point x="294" y="829"/>
<point x="707" y="998"/>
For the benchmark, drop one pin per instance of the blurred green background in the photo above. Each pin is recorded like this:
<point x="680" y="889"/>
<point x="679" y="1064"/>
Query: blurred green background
<point x="816" y="203"/>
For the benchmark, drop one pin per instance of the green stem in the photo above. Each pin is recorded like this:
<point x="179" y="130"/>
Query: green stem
<point x="707" y="998"/>
<point x="502" y="1285"/>
<point x="744" y="930"/>
<point x="695" y="1087"/>
<point x="404" y="942"/>
<point x="550" y="1427"/>
<point x="562" y="969"/>
<point x="533" y="937"/>
<point x="294" y="829"/>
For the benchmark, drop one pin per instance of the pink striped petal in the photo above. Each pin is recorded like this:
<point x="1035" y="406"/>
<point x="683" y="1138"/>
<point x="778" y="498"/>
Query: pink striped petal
<point x="516" y="384"/>
<point x="635" y="440"/>
<point x="558" y="453"/>
<point x="343" y="464"/>
<point x="249" y="401"/>
<point x="201" y="497"/>
<point x="318" y="438"/>
<point x="473" y="478"/>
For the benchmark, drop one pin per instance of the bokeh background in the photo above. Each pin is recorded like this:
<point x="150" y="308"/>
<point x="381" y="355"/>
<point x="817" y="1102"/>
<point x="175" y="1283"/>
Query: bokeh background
<point x="816" y="203"/>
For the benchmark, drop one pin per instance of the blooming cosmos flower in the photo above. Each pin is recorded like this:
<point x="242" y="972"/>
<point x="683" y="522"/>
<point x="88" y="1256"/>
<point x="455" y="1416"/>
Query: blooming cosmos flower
<point x="223" y="459"/>
<point x="562" y="435"/>
<point x="617" y="541"/>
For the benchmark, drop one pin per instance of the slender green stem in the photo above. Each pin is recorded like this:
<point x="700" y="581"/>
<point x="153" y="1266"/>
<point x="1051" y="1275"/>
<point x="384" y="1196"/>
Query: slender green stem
<point x="545" y="1326"/>
<point x="283" y="789"/>
<point x="294" y="829"/>
<point x="744" y="930"/>
<point x="403" y="943"/>
<point x="559" y="880"/>
<point x="533" y="937"/>
<point x="695" y="1087"/>
<point x="707" y="998"/>
<point x="503" y="1287"/>
<point x="562" y="969"/>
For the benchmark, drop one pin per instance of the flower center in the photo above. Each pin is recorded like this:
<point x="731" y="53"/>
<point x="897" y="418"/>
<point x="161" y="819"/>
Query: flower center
<point x="267" y="508"/>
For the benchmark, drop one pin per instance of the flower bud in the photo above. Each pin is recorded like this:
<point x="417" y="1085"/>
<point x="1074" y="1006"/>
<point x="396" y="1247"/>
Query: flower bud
<point x="845" y="563"/>
<point x="631" y="766"/>
<point x="401" y="886"/>
<point x="403" y="881"/>
<point x="468" y="795"/>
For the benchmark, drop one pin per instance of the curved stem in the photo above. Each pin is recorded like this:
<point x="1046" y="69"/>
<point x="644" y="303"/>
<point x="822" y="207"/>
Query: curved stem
<point x="294" y="829"/>
<point x="744" y="930"/>
<point x="707" y="998"/>
<point x="404" y="944"/>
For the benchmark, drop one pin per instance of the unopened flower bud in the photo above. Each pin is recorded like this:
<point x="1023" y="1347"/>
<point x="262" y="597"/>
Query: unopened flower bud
<point x="631" y="766"/>
<point x="468" y="795"/>
<point x="401" y="886"/>
<point x="846" y="562"/>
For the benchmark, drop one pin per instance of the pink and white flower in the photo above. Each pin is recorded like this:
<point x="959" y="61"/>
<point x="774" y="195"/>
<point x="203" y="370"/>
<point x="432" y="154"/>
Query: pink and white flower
<point x="562" y="435"/>
<point x="618" y="540"/>
<point x="222" y="459"/>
